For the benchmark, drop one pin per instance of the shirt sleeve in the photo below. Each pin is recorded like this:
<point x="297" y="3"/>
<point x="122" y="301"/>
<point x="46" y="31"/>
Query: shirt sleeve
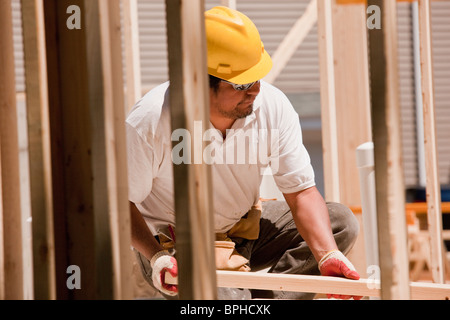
<point x="141" y="169"/>
<point x="290" y="161"/>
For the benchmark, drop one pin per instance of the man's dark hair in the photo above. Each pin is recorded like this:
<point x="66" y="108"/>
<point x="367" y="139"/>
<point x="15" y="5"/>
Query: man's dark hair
<point x="214" y="82"/>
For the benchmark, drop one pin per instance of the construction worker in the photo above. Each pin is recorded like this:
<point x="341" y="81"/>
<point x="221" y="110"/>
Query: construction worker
<point x="301" y="235"/>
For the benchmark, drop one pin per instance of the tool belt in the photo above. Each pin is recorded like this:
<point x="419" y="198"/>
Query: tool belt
<point x="227" y="258"/>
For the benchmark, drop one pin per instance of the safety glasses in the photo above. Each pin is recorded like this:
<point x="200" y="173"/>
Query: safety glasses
<point x="241" y="87"/>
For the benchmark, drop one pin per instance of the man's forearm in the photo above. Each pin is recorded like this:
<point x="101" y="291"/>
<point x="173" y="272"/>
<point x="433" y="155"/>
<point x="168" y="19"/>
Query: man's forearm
<point x="141" y="237"/>
<point x="312" y="219"/>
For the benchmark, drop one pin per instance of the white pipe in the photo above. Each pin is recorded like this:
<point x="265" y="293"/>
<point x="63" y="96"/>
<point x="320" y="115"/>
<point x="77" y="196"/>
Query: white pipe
<point x="418" y="96"/>
<point x="366" y="168"/>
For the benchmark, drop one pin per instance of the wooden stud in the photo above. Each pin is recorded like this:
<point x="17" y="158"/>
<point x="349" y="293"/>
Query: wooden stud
<point x="189" y="102"/>
<point x="390" y="197"/>
<point x="132" y="52"/>
<point x="11" y="266"/>
<point x="110" y="185"/>
<point x="328" y="100"/>
<point x="87" y="116"/>
<point x="345" y="102"/>
<point x="352" y="93"/>
<point x="433" y="189"/>
<point x="39" y="149"/>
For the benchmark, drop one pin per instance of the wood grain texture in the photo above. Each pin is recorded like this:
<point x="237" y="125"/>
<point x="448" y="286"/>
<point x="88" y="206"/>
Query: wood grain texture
<point x="11" y="264"/>
<point x="433" y="190"/>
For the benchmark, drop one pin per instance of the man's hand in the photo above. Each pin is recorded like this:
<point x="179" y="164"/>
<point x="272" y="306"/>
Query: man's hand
<point x="161" y="263"/>
<point x="335" y="264"/>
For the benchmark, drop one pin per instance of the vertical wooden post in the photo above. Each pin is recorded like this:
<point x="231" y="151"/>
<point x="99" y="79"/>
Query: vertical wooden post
<point x="11" y="278"/>
<point x="189" y="101"/>
<point x="434" y="214"/>
<point x="114" y="144"/>
<point x="87" y="116"/>
<point x="39" y="149"/>
<point x="345" y="101"/>
<point x="328" y="100"/>
<point x="132" y="52"/>
<point x="352" y="93"/>
<point x="390" y="193"/>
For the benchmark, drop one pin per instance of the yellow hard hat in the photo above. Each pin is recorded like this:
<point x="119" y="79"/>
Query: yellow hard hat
<point x="235" y="50"/>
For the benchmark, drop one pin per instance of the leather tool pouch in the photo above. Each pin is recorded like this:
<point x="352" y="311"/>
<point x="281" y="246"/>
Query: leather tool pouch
<point x="227" y="258"/>
<point x="248" y="226"/>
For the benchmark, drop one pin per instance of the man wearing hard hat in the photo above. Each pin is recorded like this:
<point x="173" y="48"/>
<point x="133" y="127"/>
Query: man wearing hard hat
<point x="301" y="235"/>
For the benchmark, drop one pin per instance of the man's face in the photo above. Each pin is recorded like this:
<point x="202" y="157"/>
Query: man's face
<point x="232" y="104"/>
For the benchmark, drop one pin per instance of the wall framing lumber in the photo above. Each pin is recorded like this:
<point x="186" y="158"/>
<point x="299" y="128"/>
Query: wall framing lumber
<point x="433" y="190"/>
<point x="345" y="103"/>
<point x="189" y="101"/>
<point x="87" y="116"/>
<point x="390" y="197"/>
<point x="132" y="52"/>
<point x="328" y="100"/>
<point x="116" y="221"/>
<point x="39" y="149"/>
<point x="345" y="97"/>
<point x="11" y="262"/>
<point x="325" y="285"/>
<point x="352" y="93"/>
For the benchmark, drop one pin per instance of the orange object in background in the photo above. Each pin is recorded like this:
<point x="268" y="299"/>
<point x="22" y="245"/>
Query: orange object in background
<point x="364" y="1"/>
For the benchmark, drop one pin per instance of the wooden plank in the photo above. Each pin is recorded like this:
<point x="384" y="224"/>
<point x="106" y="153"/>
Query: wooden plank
<point x="53" y="44"/>
<point x="189" y="101"/>
<point x="390" y="197"/>
<point x="39" y="149"/>
<point x="292" y="41"/>
<point x="70" y="117"/>
<point x="87" y="118"/>
<point x="352" y="94"/>
<point x="433" y="190"/>
<point x="132" y="52"/>
<point x="298" y="283"/>
<point x="115" y="145"/>
<point x="346" y="117"/>
<point x="328" y="101"/>
<point x="324" y="285"/>
<point x="110" y="185"/>
<point x="11" y="264"/>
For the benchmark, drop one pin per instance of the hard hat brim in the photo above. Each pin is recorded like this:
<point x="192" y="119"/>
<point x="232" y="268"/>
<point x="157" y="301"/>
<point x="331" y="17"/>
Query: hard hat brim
<point x="255" y="73"/>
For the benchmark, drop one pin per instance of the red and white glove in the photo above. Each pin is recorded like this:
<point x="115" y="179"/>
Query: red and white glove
<point x="161" y="263"/>
<point x="335" y="264"/>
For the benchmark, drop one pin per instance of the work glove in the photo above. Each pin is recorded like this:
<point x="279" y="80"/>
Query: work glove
<point x="161" y="263"/>
<point x="335" y="264"/>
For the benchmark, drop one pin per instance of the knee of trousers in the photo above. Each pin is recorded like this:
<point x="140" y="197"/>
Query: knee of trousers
<point x="344" y="225"/>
